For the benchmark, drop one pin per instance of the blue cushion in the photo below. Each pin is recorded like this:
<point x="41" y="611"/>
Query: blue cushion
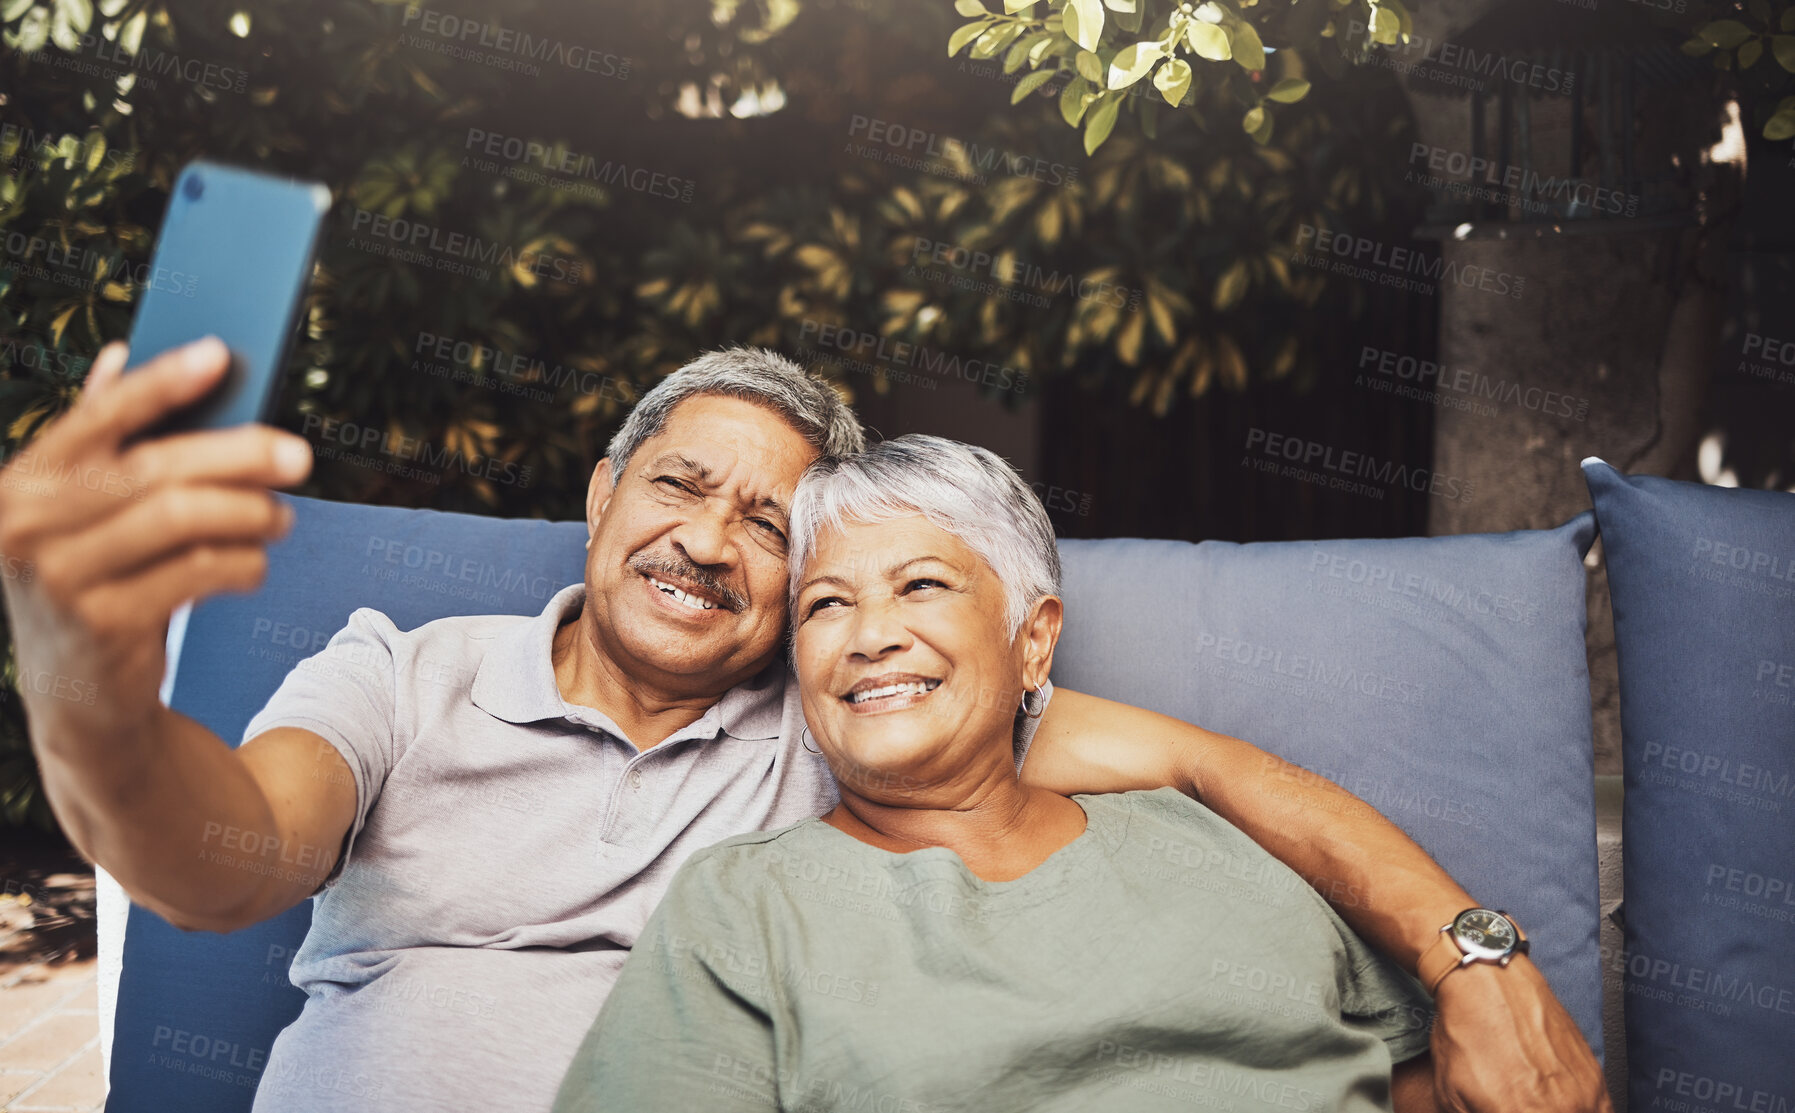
<point x="1703" y="582"/>
<point x="197" y="1012"/>
<point x="1441" y="679"/>
<point x="1465" y="717"/>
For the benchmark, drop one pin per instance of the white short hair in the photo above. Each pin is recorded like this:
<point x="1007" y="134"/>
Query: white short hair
<point x="758" y="375"/>
<point x="965" y="490"/>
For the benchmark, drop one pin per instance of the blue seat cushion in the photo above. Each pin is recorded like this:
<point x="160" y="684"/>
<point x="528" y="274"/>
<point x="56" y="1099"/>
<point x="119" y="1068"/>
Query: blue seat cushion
<point x="1703" y="583"/>
<point x="1441" y="679"/>
<point x="197" y="1012"/>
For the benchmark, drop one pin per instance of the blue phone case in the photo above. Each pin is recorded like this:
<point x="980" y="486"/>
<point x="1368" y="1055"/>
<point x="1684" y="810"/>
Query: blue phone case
<point x="233" y="260"/>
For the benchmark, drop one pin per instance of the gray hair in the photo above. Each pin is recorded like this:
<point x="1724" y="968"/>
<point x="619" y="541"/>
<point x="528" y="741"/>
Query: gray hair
<point x="968" y="491"/>
<point x="754" y="375"/>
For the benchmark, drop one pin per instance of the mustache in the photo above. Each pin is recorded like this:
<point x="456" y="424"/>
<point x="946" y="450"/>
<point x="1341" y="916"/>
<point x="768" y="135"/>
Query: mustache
<point x="663" y="567"/>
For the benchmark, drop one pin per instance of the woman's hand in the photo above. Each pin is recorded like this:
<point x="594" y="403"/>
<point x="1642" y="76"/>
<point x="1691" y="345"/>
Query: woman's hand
<point x="1503" y="1044"/>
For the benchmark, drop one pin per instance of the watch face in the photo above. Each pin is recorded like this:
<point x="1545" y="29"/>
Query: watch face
<point x="1482" y="933"/>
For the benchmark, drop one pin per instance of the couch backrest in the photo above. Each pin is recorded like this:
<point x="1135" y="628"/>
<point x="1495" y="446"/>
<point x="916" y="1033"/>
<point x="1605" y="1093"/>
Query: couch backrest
<point x="1442" y="679"/>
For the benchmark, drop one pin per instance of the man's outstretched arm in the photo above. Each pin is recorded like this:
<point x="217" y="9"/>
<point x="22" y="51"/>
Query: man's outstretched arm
<point x="1502" y="1042"/>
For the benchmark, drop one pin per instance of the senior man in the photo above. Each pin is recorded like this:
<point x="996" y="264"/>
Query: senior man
<point x="460" y="949"/>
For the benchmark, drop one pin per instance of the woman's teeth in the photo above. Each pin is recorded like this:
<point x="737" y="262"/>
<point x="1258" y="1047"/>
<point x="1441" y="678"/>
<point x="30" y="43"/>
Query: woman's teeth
<point x="910" y="688"/>
<point x="685" y="597"/>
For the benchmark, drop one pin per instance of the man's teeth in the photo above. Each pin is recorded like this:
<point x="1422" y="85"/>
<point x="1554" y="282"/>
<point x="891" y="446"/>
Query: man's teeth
<point x="685" y="597"/>
<point x="908" y="688"/>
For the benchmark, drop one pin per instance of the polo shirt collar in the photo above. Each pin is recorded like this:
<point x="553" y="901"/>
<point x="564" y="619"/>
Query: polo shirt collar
<point x="516" y="682"/>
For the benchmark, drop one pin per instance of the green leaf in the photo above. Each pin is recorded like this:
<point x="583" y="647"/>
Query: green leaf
<point x="1029" y="83"/>
<point x="963" y="36"/>
<point x="1782" y="47"/>
<point x="995" y="39"/>
<point x="1386" y="26"/>
<point x="1074" y="99"/>
<point x="1132" y="62"/>
<point x="15" y="8"/>
<point x="1724" y="33"/>
<point x="1084" y="22"/>
<point x="64" y="35"/>
<point x="34" y="31"/>
<point x="1780" y="126"/>
<point x="1253" y="120"/>
<point x="1018" y="53"/>
<point x="1089" y="67"/>
<point x="1101" y="123"/>
<point x="1749" y="53"/>
<point x="1209" y="41"/>
<point x="1289" y="90"/>
<point x="130" y="35"/>
<point x="1129" y="21"/>
<point x="1230" y="287"/>
<point x="1248" y="50"/>
<point x="1173" y="80"/>
<point x="93" y="150"/>
<point x="970" y="8"/>
<point x="1014" y="6"/>
<point x="1695" y="48"/>
<point x="78" y="13"/>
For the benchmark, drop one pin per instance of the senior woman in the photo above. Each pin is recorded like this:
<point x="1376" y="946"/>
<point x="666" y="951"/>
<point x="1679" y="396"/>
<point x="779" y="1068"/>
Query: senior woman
<point x="949" y="938"/>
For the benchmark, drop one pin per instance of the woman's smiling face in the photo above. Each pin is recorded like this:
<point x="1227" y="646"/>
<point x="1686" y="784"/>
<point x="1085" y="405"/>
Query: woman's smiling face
<point x="910" y="676"/>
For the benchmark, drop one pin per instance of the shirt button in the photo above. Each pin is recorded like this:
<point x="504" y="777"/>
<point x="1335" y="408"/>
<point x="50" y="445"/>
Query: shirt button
<point x="635" y="780"/>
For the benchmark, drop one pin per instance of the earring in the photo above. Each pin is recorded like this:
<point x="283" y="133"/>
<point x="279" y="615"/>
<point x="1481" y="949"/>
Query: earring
<point x="1040" y="709"/>
<point x="803" y="735"/>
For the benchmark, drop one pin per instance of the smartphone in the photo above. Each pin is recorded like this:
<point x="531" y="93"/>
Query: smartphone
<point x="233" y="261"/>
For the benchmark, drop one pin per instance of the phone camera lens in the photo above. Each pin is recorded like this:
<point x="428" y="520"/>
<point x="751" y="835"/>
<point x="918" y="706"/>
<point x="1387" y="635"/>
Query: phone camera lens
<point x="194" y="188"/>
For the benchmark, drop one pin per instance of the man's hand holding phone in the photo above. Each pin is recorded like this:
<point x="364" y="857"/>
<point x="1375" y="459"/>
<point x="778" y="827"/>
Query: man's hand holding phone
<point x="106" y="537"/>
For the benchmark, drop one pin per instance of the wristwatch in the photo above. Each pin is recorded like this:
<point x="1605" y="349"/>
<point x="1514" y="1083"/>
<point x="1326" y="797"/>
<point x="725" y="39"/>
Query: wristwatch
<point x="1474" y="935"/>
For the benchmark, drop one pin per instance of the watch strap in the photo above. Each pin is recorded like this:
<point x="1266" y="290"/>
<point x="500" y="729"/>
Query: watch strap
<point x="1439" y="960"/>
<point x="1444" y="956"/>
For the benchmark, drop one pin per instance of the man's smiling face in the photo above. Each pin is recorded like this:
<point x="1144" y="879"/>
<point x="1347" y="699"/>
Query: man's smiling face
<point x="686" y="575"/>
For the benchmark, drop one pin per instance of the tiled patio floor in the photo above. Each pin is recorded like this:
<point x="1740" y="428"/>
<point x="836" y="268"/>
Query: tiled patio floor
<point x="50" y="1039"/>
